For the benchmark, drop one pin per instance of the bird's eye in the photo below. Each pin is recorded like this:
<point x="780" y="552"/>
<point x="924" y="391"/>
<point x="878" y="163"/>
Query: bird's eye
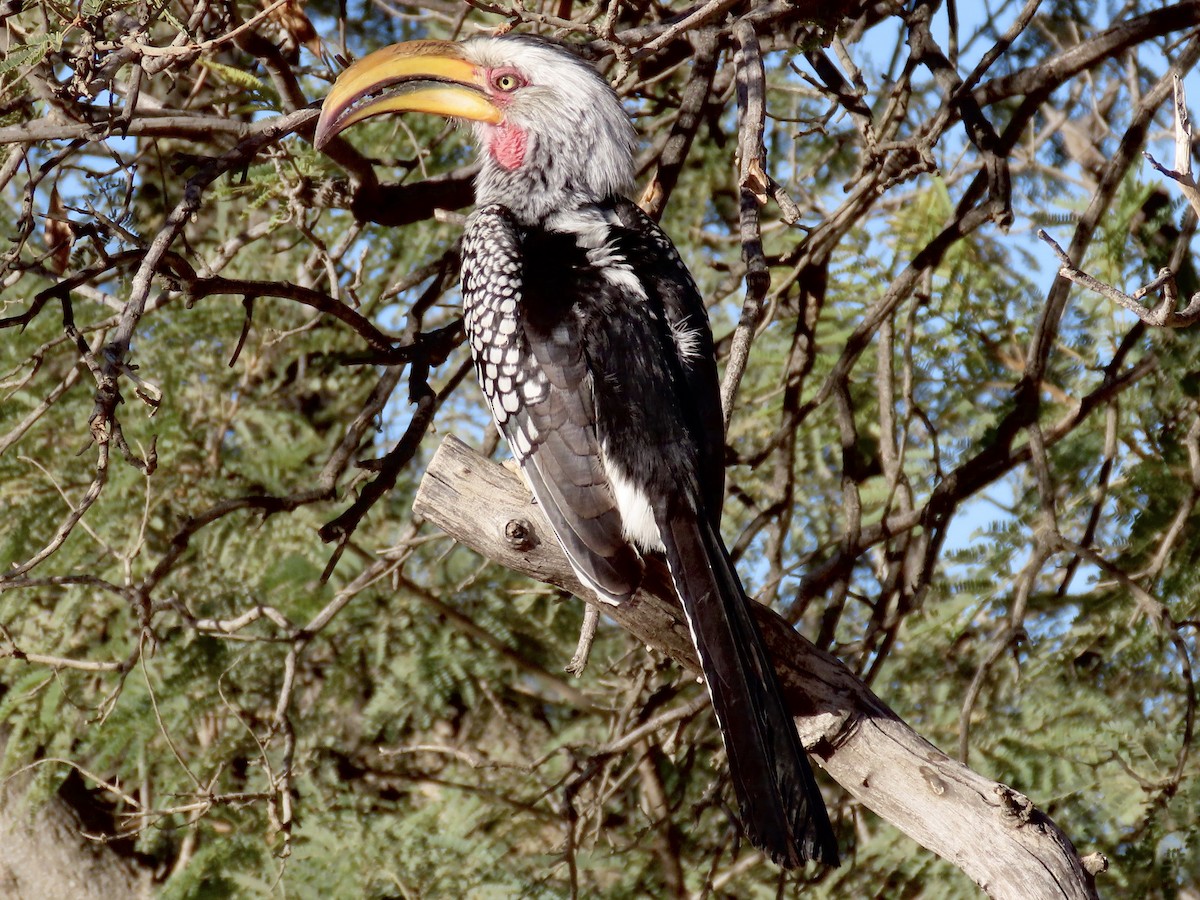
<point x="506" y="81"/>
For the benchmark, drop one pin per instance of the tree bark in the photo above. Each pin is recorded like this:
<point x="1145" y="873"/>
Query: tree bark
<point x="1011" y="849"/>
<point x="44" y="854"/>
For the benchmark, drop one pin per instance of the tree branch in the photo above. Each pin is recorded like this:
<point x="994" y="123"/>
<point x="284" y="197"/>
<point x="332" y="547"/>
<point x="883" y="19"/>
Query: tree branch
<point x="867" y="748"/>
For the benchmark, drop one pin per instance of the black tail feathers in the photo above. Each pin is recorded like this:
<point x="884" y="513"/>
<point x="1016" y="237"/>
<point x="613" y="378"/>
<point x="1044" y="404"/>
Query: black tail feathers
<point x="781" y="806"/>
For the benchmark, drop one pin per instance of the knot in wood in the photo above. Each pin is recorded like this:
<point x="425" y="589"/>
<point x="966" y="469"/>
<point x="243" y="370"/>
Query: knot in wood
<point x="1094" y="863"/>
<point x="1015" y="808"/>
<point x="520" y="535"/>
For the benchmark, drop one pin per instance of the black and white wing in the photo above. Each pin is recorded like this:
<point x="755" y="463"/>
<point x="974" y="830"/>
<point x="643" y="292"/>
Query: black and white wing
<point x="667" y="280"/>
<point x="539" y="390"/>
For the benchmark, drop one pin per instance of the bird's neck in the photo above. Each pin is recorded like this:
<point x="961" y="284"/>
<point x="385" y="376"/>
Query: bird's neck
<point x="591" y="224"/>
<point x="539" y="182"/>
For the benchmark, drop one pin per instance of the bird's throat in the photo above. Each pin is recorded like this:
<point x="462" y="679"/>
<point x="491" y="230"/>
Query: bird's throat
<point x="507" y="144"/>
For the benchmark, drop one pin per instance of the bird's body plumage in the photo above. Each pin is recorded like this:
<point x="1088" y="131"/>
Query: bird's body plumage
<point x="593" y="349"/>
<point x="603" y="407"/>
<point x="611" y="407"/>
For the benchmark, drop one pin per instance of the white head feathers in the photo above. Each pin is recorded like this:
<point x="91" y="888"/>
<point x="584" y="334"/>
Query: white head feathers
<point x="578" y="141"/>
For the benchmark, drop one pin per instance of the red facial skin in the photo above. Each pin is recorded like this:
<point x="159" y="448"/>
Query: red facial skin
<point x="506" y="142"/>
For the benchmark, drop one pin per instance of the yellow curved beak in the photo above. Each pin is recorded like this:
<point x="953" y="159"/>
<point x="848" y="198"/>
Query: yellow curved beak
<point x="415" y="76"/>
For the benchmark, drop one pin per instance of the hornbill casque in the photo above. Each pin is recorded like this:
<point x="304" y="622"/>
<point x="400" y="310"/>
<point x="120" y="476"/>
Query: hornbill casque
<point x="593" y="349"/>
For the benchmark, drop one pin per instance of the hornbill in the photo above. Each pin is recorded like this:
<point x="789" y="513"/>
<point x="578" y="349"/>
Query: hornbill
<point x="593" y="349"/>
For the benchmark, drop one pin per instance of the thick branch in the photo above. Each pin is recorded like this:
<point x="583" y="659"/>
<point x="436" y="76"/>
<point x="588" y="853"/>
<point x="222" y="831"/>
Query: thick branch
<point x="1108" y="44"/>
<point x="995" y="835"/>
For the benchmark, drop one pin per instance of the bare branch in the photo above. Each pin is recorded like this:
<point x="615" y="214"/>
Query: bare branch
<point x="1165" y="316"/>
<point x="859" y="741"/>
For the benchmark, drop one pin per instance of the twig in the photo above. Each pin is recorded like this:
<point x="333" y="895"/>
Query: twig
<point x="1163" y="316"/>
<point x="708" y="11"/>
<point x="587" y="634"/>
<point x="662" y="720"/>
<point x="751" y="92"/>
<point x="99" y="479"/>
<point x="204" y="46"/>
